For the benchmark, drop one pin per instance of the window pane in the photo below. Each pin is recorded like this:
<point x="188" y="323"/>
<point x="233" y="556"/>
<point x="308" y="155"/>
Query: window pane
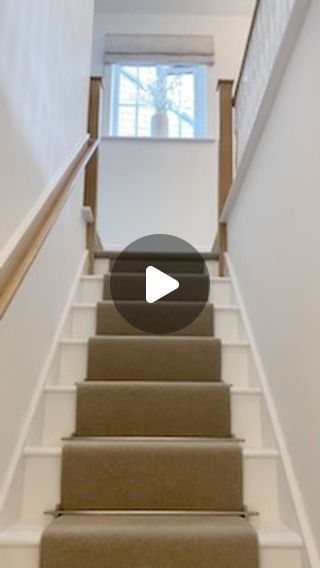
<point x="146" y="80"/>
<point x="187" y="131"/>
<point x="141" y="91"/>
<point x="130" y="70"/>
<point x="188" y="94"/>
<point x="145" y="114"/>
<point x="147" y="74"/>
<point x="174" y="125"/>
<point x="127" y="91"/>
<point x="127" y="121"/>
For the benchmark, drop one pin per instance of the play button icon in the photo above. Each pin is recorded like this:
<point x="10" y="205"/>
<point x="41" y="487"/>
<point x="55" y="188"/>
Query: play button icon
<point x="159" y="284"/>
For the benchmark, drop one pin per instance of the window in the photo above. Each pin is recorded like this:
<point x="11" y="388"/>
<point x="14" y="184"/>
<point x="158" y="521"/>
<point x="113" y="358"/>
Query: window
<point x="176" y="91"/>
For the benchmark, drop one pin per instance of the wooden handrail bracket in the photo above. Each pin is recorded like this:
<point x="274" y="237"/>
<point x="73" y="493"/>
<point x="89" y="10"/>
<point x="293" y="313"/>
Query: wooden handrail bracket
<point x="17" y="265"/>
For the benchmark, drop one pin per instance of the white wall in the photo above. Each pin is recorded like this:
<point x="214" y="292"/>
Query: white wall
<point x="274" y="247"/>
<point x="173" y="187"/>
<point x="27" y="329"/>
<point x="157" y="186"/>
<point x="45" y="51"/>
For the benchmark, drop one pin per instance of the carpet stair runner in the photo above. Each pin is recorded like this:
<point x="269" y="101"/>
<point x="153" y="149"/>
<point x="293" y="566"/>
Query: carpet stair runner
<point x="152" y="477"/>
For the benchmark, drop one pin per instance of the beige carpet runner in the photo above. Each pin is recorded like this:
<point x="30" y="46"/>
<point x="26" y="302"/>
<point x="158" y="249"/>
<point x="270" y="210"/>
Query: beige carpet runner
<point x="152" y="477"/>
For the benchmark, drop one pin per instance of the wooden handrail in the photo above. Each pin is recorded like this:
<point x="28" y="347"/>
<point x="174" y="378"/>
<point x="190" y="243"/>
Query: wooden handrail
<point x="225" y="175"/>
<point x="91" y="180"/>
<point x="244" y="60"/>
<point x="18" y="264"/>
<point x="225" y="169"/>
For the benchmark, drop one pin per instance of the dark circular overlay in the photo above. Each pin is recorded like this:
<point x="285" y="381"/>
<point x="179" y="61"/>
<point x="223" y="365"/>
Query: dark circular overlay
<point x="176" y="258"/>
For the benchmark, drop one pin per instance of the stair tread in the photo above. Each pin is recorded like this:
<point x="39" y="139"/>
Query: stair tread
<point x="67" y="389"/>
<point x="93" y="306"/>
<point x="100" y="277"/>
<point x="75" y="341"/>
<point x="159" y="539"/>
<point x="56" y="451"/>
<point x="21" y="535"/>
<point x="112" y="254"/>
<point x="154" y="439"/>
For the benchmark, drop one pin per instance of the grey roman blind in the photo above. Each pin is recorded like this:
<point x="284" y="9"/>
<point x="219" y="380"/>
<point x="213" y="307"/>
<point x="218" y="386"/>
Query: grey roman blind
<point x="161" y="49"/>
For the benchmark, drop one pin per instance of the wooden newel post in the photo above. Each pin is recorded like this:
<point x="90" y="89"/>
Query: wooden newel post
<point x="91" y="177"/>
<point x="225" y="176"/>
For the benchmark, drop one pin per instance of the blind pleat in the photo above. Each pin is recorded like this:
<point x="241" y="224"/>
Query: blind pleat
<point x="161" y="49"/>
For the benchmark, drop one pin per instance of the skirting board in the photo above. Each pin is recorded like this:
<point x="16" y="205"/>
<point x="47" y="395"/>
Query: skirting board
<point x="15" y="461"/>
<point x="310" y="546"/>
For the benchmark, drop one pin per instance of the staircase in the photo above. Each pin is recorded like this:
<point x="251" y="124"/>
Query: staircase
<point x="154" y="438"/>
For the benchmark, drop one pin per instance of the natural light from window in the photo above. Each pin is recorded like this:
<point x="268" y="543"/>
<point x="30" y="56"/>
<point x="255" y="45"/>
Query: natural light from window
<point x="166" y="101"/>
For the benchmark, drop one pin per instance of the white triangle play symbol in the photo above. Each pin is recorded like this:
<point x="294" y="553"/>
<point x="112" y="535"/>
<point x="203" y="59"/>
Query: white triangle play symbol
<point x="158" y="284"/>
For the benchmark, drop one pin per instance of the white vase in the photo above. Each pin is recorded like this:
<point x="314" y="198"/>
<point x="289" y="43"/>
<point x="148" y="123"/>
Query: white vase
<point x="160" y="125"/>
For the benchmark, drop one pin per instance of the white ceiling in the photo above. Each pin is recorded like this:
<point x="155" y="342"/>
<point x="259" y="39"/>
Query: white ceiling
<point x="212" y="7"/>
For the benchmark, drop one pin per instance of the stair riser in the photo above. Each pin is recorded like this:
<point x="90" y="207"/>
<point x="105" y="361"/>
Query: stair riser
<point x="156" y="410"/>
<point x="195" y="476"/>
<point x="64" y="406"/>
<point x="20" y="557"/>
<point x="90" y="291"/>
<point x="29" y="557"/>
<point x="154" y="359"/>
<point x="280" y="558"/>
<point x="42" y="483"/>
<point x="102" y="266"/>
<point x="246" y="418"/>
<point x="236" y="364"/>
<point x="81" y="324"/>
<point x="170" y="266"/>
<point x="110" y="322"/>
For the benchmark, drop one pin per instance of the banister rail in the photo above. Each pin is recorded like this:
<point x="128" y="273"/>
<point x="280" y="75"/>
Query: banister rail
<point x="227" y="101"/>
<point x="91" y="181"/>
<point x="272" y="36"/>
<point x="17" y="265"/>
<point x="225" y="163"/>
<point x="246" y="51"/>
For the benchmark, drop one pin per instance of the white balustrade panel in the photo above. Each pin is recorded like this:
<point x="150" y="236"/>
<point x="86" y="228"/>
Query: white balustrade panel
<point x="271" y="23"/>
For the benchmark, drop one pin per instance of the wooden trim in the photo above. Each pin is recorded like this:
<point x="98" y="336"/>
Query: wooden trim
<point x="91" y="180"/>
<point x="225" y="175"/>
<point x="223" y="247"/>
<point x="99" y="245"/>
<point x="18" y="264"/>
<point x="94" y="107"/>
<point x="244" y="60"/>
<point x="225" y="163"/>
<point x="225" y="142"/>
